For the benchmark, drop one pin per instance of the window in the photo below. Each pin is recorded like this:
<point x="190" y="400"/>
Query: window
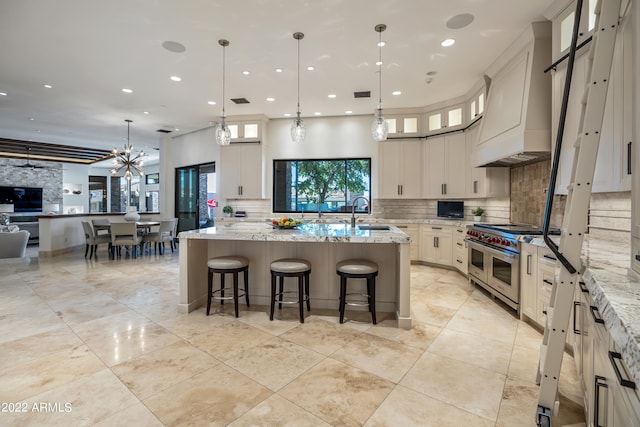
<point x="326" y="185"/>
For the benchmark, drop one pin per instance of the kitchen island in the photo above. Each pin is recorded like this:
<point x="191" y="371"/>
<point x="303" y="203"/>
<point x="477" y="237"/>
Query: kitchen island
<point x="322" y="244"/>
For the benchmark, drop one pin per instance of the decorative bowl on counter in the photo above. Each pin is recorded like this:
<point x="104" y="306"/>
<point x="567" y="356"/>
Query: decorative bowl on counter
<point x="286" y="223"/>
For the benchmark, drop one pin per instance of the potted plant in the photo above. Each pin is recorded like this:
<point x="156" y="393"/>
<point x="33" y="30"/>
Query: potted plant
<point x="227" y="210"/>
<point x="477" y="213"/>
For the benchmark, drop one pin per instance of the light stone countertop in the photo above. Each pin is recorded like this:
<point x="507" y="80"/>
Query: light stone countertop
<point x="361" y="219"/>
<point x="616" y="294"/>
<point x="305" y="233"/>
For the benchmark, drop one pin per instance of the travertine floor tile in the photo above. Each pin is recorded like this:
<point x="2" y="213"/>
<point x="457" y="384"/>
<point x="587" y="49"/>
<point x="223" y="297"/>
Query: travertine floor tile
<point x="214" y="397"/>
<point x="228" y="340"/>
<point x="28" y="349"/>
<point x="339" y="394"/>
<point x="277" y="411"/>
<point x="419" y="336"/>
<point x="405" y="407"/>
<point x="321" y="336"/>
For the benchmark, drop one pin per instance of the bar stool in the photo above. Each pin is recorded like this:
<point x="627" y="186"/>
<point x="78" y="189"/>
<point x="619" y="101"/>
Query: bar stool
<point x="358" y="269"/>
<point x="228" y="265"/>
<point x="290" y="267"/>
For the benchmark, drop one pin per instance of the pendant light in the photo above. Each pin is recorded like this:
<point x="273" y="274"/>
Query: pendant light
<point x="127" y="160"/>
<point x="380" y="128"/>
<point x="223" y="134"/>
<point x="298" y="130"/>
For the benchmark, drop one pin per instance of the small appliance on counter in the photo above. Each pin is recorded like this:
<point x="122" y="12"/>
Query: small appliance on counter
<point x="450" y="209"/>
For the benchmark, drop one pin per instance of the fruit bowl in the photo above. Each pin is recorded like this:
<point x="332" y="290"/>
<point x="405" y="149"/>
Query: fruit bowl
<point x="285" y="223"/>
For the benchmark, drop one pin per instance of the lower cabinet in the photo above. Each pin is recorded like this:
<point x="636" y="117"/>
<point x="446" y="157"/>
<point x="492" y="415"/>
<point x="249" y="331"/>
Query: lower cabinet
<point x="413" y="230"/>
<point x="610" y="396"/>
<point x="436" y="244"/>
<point x="460" y="251"/>
<point x="537" y="276"/>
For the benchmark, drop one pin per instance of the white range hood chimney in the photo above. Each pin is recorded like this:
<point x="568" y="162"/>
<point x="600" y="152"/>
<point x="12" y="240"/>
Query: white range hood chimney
<point x="516" y="126"/>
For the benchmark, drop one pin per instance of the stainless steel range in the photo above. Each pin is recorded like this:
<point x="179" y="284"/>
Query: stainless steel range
<point x="494" y="258"/>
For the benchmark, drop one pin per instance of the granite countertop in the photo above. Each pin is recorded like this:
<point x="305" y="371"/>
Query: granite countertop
<point x="361" y="219"/>
<point x="305" y="233"/>
<point x="616" y="293"/>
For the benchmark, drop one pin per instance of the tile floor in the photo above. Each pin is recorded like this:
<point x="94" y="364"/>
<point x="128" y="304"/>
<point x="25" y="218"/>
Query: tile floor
<point x="100" y="343"/>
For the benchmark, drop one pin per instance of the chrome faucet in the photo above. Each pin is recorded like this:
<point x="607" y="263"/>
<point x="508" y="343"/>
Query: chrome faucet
<point x="353" y="209"/>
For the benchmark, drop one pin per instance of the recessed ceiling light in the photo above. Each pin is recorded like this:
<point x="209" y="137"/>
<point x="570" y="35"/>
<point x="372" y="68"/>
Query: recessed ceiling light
<point x="211" y="102"/>
<point x="396" y="92"/>
<point x="38" y="130"/>
<point x="246" y="72"/>
<point x="145" y="112"/>
<point x="311" y="68"/>
<point x="331" y="95"/>
<point x="287" y="114"/>
<point x="175" y="78"/>
<point x="381" y="43"/>
<point x="31" y="118"/>
<point x="348" y="112"/>
<point x="317" y="113"/>
<point x="177" y="129"/>
<point x="278" y="70"/>
<point x="270" y="99"/>
<point x="448" y="42"/>
<point x="3" y="93"/>
<point x="47" y="86"/>
<point x="125" y="90"/>
<point x="379" y="63"/>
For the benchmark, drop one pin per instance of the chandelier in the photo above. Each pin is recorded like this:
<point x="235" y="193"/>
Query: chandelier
<point x="298" y="130"/>
<point x="127" y="160"/>
<point x="380" y="128"/>
<point x="223" y="134"/>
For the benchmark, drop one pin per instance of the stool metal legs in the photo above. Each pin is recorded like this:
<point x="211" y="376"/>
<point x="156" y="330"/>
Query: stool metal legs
<point x="303" y="292"/>
<point x="236" y="289"/>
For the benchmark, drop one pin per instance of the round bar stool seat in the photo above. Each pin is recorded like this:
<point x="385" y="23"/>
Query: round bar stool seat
<point x="358" y="269"/>
<point x="228" y="265"/>
<point x="290" y="267"/>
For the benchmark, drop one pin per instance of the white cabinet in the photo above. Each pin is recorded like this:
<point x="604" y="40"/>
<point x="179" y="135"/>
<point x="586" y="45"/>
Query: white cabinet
<point x="445" y="175"/>
<point x="613" y="164"/>
<point x="484" y="182"/>
<point x="449" y="118"/>
<point x="400" y="166"/>
<point x="245" y="130"/>
<point x="460" y="251"/>
<point x="413" y="230"/>
<point x="404" y="125"/>
<point x="240" y="171"/>
<point x="436" y="244"/>
<point x="528" y="280"/>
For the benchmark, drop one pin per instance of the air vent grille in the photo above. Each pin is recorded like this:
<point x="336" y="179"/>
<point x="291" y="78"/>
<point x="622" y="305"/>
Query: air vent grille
<point x="163" y="131"/>
<point x="363" y="94"/>
<point x="240" y="100"/>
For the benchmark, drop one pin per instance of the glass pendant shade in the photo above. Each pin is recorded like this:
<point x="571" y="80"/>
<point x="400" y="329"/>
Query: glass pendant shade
<point x="298" y="131"/>
<point x="223" y="134"/>
<point x="379" y="128"/>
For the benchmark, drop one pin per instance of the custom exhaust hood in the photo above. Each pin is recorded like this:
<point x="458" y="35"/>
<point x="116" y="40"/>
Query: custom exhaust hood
<point x="516" y="127"/>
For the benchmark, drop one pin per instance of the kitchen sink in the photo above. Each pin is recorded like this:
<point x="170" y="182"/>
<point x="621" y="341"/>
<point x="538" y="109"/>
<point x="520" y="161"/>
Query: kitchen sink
<point x="373" y="227"/>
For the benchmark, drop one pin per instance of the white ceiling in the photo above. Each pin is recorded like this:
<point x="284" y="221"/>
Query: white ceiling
<point x="88" y="50"/>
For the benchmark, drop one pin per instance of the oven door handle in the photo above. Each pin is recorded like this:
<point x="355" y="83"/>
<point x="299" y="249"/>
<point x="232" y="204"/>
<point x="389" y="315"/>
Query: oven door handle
<point x="490" y="250"/>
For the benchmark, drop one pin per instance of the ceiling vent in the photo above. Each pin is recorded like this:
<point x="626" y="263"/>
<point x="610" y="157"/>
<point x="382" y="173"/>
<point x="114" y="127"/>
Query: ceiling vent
<point x="163" y="131"/>
<point x="363" y="94"/>
<point x="240" y="100"/>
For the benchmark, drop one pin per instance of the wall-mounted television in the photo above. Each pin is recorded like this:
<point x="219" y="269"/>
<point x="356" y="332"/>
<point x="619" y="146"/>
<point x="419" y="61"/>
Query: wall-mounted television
<point x="23" y="199"/>
<point x="450" y="209"/>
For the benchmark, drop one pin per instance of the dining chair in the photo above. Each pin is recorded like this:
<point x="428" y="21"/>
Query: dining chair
<point x="124" y="234"/>
<point x="101" y="226"/>
<point x="164" y="234"/>
<point x="92" y="240"/>
<point x="174" y="234"/>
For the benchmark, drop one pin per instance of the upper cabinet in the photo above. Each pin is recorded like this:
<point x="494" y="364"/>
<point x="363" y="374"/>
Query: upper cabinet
<point x="445" y="164"/>
<point x="240" y="171"/>
<point x="400" y="165"/>
<point x="404" y="125"/>
<point x="484" y="182"/>
<point x="475" y="106"/>
<point x="450" y="118"/>
<point x="245" y="131"/>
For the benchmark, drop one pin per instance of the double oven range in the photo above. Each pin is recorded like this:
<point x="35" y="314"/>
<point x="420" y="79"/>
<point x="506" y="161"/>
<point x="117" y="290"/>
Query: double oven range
<point x="494" y="258"/>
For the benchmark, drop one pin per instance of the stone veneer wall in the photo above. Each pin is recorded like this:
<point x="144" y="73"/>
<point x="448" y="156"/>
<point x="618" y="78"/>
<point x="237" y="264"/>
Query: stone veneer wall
<point x="48" y="177"/>
<point x="609" y="213"/>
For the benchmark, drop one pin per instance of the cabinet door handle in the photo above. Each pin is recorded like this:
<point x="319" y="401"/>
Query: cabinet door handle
<point x="548" y="282"/>
<point x="459" y="261"/>
<point x="436" y="228"/>
<point x="475" y="187"/>
<point x="402" y="226"/>
<point x="576" y="305"/>
<point x="401" y="189"/>
<point x="613" y="356"/>
<point x="597" y="318"/>
<point x="629" y="158"/>
<point x="459" y="244"/>
<point x="398" y="190"/>
<point x="529" y="264"/>
<point x="549" y="257"/>
<point x="445" y="188"/>
<point x="459" y="230"/>
<point x="583" y="287"/>
<point x="600" y="382"/>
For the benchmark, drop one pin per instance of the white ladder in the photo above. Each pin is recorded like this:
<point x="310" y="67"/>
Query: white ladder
<point x="574" y="224"/>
